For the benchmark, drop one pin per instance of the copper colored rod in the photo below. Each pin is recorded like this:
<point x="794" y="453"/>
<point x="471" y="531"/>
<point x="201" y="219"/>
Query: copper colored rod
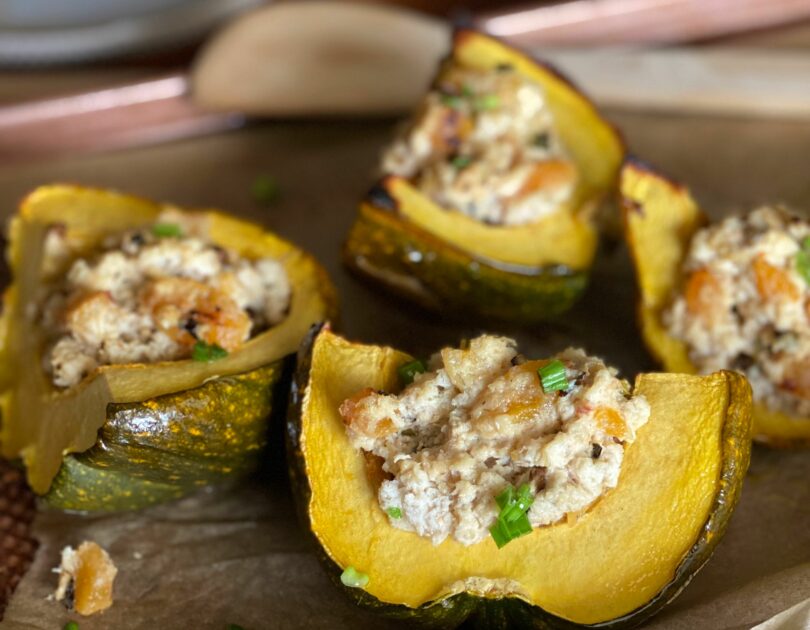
<point x="162" y="109"/>
<point x="138" y="114"/>
<point x="602" y="22"/>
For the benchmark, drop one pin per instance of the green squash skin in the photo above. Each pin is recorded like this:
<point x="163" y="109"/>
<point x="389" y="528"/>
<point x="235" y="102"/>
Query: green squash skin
<point x="505" y="613"/>
<point x="439" y="276"/>
<point x="161" y="449"/>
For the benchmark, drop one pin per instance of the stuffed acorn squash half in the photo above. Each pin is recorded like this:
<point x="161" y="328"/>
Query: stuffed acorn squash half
<point x="488" y="197"/>
<point x="481" y="484"/>
<point x="731" y="295"/>
<point x="142" y="344"/>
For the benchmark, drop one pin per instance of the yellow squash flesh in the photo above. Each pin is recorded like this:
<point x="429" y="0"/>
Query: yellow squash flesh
<point x="660" y="219"/>
<point x="40" y="423"/>
<point x="678" y="483"/>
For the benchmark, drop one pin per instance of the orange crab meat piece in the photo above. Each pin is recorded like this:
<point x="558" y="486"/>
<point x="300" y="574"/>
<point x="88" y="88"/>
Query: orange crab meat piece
<point x="773" y="282"/>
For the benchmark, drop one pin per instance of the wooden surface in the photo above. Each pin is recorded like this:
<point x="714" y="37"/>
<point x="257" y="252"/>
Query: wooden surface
<point x="237" y="555"/>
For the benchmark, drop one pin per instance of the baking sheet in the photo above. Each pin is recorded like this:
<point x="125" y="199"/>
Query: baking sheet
<point x="237" y="555"/>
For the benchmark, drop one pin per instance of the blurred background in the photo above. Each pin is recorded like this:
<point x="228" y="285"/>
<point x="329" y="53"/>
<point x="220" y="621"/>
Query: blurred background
<point x="173" y="63"/>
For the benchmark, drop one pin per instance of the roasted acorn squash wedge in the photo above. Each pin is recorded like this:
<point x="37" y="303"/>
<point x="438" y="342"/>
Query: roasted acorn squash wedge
<point x="442" y="258"/>
<point x="660" y="218"/>
<point x="130" y="435"/>
<point x="616" y="565"/>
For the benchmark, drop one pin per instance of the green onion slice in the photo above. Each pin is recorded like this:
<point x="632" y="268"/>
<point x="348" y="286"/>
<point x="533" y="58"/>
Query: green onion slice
<point x="500" y="534"/>
<point x="513" y="520"/>
<point x="486" y="101"/>
<point x="552" y="376"/>
<point x="503" y="532"/>
<point x="264" y="190"/>
<point x="803" y="260"/>
<point x="803" y="265"/>
<point x="71" y="625"/>
<point x="407" y="371"/>
<point x="452" y="100"/>
<point x="394" y="512"/>
<point x="207" y="352"/>
<point x="461" y="161"/>
<point x="167" y="230"/>
<point x="506" y="498"/>
<point x="353" y="578"/>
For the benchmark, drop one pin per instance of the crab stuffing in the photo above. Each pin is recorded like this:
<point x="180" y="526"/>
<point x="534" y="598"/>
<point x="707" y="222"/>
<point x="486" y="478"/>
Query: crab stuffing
<point x="484" y="144"/>
<point x="744" y="304"/>
<point x="482" y="419"/>
<point x="152" y="294"/>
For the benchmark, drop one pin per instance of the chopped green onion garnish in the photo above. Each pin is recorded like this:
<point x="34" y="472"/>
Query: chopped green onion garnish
<point x="394" y="512"/>
<point x="503" y="532"/>
<point x="408" y="371"/>
<point x="235" y="626"/>
<point x="499" y="533"/>
<point x="208" y="352"/>
<point x="264" y="190"/>
<point x="524" y="495"/>
<point x="467" y="91"/>
<point x="352" y="578"/>
<point x="461" y="161"/>
<point x="486" y="101"/>
<point x="803" y="260"/>
<point x="452" y="100"/>
<point x="552" y="376"/>
<point x="511" y="513"/>
<point x="803" y="265"/>
<point x="71" y="625"/>
<point x="167" y="230"/>
<point x="506" y="498"/>
<point x="513" y="520"/>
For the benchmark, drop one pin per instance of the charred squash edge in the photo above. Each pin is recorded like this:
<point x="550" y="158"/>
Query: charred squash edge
<point x="433" y="273"/>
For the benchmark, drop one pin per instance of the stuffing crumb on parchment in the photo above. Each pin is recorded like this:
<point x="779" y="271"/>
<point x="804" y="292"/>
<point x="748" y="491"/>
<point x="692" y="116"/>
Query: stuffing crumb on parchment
<point x="86" y="577"/>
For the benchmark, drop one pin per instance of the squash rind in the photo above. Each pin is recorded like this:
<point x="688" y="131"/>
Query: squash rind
<point x="660" y="218"/>
<point x="151" y="451"/>
<point x="730" y="395"/>
<point x="546" y="261"/>
<point x="404" y="258"/>
<point x="69" y="420"/>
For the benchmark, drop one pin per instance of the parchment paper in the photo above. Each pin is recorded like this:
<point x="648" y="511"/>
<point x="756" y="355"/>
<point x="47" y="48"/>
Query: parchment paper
<point x="237" y="555"/>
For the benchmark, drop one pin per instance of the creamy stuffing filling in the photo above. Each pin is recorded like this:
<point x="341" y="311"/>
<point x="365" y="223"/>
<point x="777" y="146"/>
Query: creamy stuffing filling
<point x="745" y="304"/>
<point x="479" y="421"/>
<point x="152" y="294"/>
<point x="484" y="143"/>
